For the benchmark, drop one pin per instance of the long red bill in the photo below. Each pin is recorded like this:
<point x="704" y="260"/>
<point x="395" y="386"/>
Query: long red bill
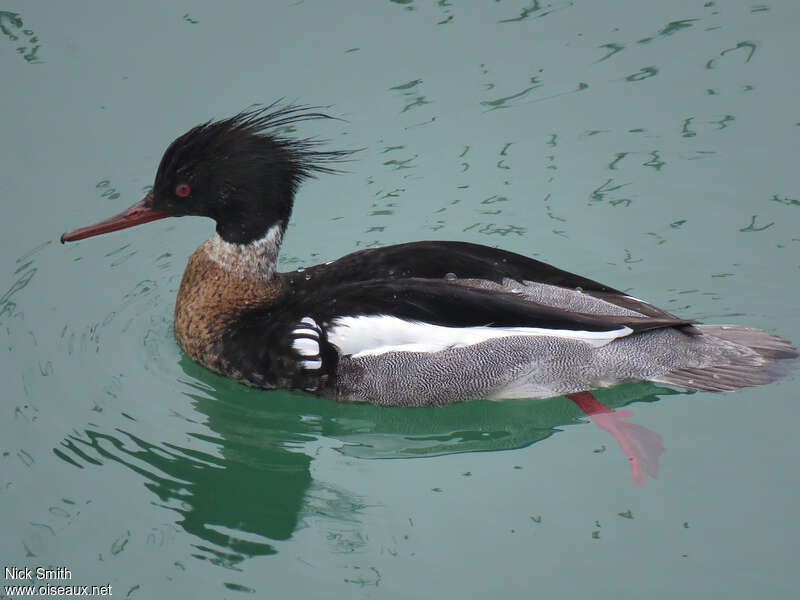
<point x="141" y="212"/>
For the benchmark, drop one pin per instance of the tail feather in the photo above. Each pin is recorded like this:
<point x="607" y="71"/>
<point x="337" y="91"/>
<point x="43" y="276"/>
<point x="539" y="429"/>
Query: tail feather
<point x="741" y="357"/>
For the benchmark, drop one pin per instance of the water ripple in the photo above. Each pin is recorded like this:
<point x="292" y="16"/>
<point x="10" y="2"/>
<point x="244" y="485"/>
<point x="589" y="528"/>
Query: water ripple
<point x="642" y="74"/>
<point x="749" y="46"/>
<point x="12" y="27"/>
<point x="108" y="191"/>
<point x="410" y="93"/>
<point x="505" y="101"/>
<point x="753" y="227"/>
<point x="536" y="11"/>
<point x="25" y="272"/>
<point x="607" y="193"/>
<point x="785" y="200"/>
<point x="612" y="50"/>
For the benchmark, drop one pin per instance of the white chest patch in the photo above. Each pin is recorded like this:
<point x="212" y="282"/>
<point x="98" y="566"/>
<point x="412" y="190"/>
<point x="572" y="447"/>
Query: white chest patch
<point x="256" y="259"/>
<point x="378" y="334"/>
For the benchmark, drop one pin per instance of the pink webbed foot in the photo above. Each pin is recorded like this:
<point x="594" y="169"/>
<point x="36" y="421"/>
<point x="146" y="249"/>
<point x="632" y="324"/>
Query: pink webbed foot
<point x="641" y="445"/>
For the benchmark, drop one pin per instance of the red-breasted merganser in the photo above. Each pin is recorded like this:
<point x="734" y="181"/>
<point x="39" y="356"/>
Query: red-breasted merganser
<point x="414" y="324"/>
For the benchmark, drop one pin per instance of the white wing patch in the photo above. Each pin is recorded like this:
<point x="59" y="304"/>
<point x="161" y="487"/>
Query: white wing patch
<point x="378" y="334"/>
<point x="306" y="343"/>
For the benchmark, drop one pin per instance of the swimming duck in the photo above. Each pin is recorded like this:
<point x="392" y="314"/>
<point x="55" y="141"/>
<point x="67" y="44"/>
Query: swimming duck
<point x="421" y="323"/>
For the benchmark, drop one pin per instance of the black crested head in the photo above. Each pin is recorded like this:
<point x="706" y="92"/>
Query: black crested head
<point x="241" y="171"/>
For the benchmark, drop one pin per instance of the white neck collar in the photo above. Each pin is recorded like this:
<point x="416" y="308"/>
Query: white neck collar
<point x="256" y="260"/>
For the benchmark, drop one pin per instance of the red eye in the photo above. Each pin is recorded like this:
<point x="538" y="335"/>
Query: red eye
<point x="183" y="190"/>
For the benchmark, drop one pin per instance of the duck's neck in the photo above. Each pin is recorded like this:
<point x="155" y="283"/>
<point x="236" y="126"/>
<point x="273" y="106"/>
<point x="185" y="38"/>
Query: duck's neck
<point x="221" y="280"/>
<point x="255" y="260"/>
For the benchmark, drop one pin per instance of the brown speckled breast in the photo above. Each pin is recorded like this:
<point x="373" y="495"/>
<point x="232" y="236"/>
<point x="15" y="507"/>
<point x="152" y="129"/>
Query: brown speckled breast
<point x="210" y="298"/>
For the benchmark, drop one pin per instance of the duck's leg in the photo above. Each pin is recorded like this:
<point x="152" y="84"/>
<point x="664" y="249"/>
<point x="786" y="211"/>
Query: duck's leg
<point x="641" y="445"/>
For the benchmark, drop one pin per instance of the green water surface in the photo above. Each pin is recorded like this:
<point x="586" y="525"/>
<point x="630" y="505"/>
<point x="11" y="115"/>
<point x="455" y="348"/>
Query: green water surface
<point x="650" y="145"/>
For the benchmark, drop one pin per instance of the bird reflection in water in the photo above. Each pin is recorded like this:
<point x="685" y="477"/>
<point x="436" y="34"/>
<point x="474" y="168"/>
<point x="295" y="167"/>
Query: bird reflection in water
<point x="244" y="483"/>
